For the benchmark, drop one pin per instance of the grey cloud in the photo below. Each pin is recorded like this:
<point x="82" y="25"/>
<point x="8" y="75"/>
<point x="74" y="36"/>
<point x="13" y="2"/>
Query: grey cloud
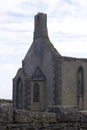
<point x="8" y="29"/>
<point x="68" y="36"/>
<point x="15" y="14"/>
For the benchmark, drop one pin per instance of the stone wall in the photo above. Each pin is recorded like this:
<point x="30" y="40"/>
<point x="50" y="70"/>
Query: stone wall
<point x="70" y="68"/>
<point x="55" y="118"/>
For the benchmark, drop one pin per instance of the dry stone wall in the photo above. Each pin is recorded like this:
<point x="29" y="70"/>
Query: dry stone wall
<point x="55" y="118"/>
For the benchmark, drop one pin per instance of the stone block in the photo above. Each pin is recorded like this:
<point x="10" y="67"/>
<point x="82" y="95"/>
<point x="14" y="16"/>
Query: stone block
<point x="65" y="113"/>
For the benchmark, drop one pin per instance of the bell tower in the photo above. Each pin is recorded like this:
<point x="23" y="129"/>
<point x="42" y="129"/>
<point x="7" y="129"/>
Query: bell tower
<point x="40" y="29"/>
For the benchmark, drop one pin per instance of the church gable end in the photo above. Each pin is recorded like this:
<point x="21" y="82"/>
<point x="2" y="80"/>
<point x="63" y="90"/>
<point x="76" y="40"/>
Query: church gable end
<point x="38" y="65"/>
<point x="46" y="78"/>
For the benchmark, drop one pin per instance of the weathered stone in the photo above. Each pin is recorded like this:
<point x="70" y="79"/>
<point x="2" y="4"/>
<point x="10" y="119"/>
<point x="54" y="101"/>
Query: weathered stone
<point x="40" y="26"/>
<point x="60" y="80"/>
<point x="6" y="112"/>
<point x="64" y="118"/>
<point x="65" y="113"/>
<point x="83" y="118"/>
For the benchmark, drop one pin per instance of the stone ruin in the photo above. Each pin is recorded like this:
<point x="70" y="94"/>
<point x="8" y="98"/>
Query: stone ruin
<point x="56" y="104"/>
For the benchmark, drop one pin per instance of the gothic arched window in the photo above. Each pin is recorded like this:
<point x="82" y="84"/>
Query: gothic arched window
<point x="36" y="93"/>
<point x="80" y="81"/>
<point x="80" y="88"/>
<point x="19" y="94"/>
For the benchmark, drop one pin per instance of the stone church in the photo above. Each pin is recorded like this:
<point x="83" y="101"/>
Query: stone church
<point x="47" y="78"/>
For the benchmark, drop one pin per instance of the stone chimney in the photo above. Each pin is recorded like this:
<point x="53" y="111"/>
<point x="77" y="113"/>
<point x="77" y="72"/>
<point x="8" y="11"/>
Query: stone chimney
<point x="40" y="29"/>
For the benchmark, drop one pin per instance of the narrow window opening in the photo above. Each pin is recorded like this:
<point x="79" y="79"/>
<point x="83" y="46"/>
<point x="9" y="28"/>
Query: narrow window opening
<point x="19" y="91"/>
<point x="80" y="82"/>
<point x="36" y="93"/>
<point x="80" y="88"/>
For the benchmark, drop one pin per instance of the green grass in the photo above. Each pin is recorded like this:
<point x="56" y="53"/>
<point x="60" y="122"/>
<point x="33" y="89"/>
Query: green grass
<point x="5" y="101"/>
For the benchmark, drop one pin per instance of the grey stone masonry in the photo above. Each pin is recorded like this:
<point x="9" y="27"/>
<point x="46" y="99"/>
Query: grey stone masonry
<point x="57" y="77"/>
<point x="40" y="26"/>
<point x="57" y="118"/>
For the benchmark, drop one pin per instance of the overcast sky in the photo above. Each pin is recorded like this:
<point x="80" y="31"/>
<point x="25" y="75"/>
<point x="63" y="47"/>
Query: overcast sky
<point x="67" y="28"/>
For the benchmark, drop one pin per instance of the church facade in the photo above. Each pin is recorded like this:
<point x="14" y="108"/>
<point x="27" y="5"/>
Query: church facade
<point x="47" y="78"/>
